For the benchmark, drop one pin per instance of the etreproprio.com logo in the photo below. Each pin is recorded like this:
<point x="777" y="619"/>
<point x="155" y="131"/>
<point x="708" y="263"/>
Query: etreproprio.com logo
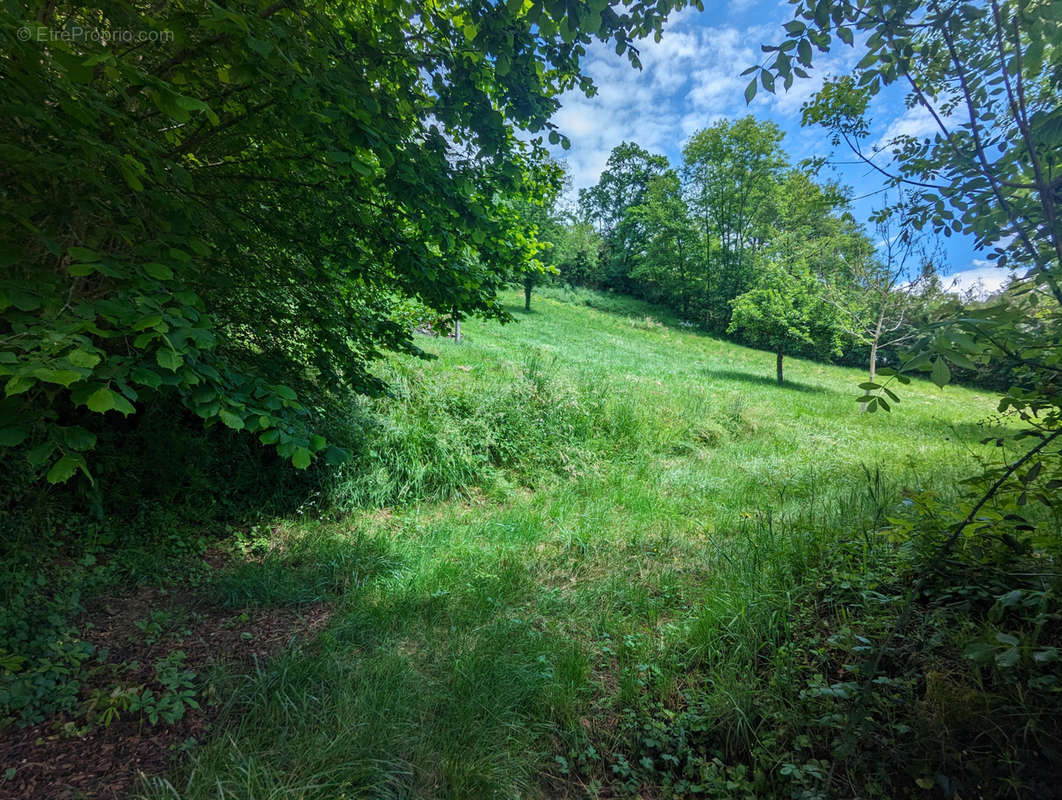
<point x="76" y="33"/>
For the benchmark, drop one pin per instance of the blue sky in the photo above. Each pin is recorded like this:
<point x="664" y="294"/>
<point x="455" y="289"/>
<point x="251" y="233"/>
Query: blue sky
<point x="692" y="78"/>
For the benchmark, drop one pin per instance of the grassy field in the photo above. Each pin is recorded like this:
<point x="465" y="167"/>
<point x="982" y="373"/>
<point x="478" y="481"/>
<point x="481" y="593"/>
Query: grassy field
<point x="593" y="553"/>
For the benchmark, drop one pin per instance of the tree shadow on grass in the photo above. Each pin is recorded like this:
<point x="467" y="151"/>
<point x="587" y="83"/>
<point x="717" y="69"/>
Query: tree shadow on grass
<point x="970" y="431"/>
<point x="518" y="310"/>
<point x="763" y="380"/>
<point x="428" y="681"/>
<point x="317" y="567"/>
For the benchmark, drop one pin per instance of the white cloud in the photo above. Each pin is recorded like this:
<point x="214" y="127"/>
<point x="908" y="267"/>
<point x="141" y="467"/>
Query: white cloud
<point x="982" y="279"/>
<point x="916" y="122"/>
<point x="690" y="79"/>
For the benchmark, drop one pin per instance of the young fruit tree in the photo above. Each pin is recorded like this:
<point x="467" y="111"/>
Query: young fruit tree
<point x="878" y="293"/>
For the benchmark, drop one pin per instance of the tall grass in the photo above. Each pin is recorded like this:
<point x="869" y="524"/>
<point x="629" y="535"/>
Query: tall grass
<point x="588" y="554"/>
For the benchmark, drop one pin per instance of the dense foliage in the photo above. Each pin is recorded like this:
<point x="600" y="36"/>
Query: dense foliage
<point x="235" y="205"/>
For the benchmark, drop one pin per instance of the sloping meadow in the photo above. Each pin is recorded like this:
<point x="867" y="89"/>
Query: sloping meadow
<point x="595" y="553"/>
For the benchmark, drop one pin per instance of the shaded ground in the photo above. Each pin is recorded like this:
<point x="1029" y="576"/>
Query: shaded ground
<point x="64" y="759"/>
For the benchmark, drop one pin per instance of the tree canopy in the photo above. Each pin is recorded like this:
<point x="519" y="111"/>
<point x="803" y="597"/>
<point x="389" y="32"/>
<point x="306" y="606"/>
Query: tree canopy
<point x="235" y="207"/>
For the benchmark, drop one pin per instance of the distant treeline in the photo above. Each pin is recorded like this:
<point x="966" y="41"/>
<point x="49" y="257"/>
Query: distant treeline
<point x="740" y="242"/>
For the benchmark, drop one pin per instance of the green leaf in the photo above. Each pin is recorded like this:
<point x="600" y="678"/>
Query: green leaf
<point x="285" y="391"/>
<point x="145" y="377"/>
<point x="130" y="176"/>
<point x="301" y="458"/>
<point x="63" y="377"/>
<point x="234" y="421"/>
<point x="83" y="358"/>
<point x="1047" y="655"/>
<point x="18" y="385"/>
<point x="122" y="405"/>
<point x="168" y="358"/>
<point x="199" y="247"/>
<point x="63" y="469"/>
<point x="336" y="455"/>
<point x="261" y="46"/>
<point x="13" y="435"/>
<point x="147" y="322"/>
<point x="981" y="652"/>
<point x="101" y="401"/>
<point x="959" y="360"/>
<point x="24" y="301"/>
<point x="158" y="271"/>
<point x="941" y="374"/>
<point x="1008" y="658"/>
<point x="750" y="91"/>
<point x="83" y="254"/>
<point x="39" y="454"/>
<point x="77" y="438"/>
<point x="1011" y="598"/>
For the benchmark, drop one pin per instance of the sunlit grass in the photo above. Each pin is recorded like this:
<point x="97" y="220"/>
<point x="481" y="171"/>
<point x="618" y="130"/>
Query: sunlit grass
<point x="650" y="535"/>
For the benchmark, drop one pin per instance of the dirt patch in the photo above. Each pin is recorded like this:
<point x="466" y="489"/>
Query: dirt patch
<point x="65" y="759"/>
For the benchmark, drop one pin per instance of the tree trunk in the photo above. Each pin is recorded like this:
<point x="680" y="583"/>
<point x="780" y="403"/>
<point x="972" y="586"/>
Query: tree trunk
<point x="527" y="294"/>
<point x="457" y="329"/>
<point x="779" y="365"/>
<point x="873" y="367"/>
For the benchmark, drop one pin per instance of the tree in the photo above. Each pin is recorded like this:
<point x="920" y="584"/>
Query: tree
<point x="806" y="246"/>
<point x="228" y="210"/>
<point x="576" y="247"/>
<point x="536" y="207"/>
<point x="785" y="310"/>
<point x="669" y="263"/>
<point x="877" y="294"/>
<point x="623" y="186"/>
<point x="730" y="171"/>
